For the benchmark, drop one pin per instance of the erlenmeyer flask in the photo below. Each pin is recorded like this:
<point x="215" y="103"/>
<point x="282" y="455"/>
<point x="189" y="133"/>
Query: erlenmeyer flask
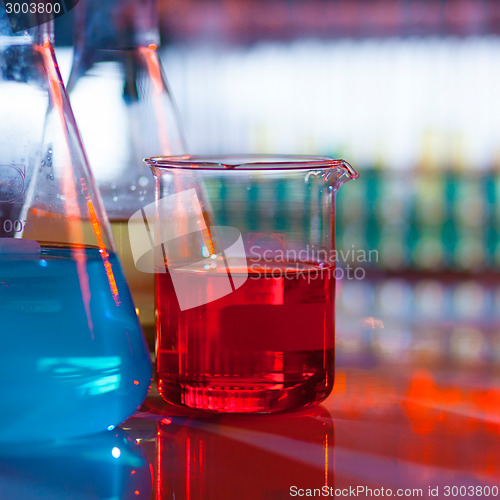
<point x="73" y="359"/>
<point x="124" y="112"/>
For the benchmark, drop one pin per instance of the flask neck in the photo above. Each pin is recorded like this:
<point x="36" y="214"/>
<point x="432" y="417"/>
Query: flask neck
<point x="44" y="34"/>
<point x="116" y="24"/>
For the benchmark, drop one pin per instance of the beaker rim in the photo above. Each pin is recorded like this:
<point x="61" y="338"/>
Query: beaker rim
<point x="257" y="162"/>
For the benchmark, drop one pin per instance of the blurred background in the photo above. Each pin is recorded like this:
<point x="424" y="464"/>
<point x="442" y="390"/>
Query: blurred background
<point x="406" y="91"/>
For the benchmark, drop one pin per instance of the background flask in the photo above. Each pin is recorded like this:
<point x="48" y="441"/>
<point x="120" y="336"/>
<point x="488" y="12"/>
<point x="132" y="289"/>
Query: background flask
<point x="125" y="113"/>
<point x="73" y="360"/>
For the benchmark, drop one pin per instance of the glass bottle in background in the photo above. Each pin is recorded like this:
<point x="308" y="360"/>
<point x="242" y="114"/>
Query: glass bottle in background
<point x="72" y="357"/>
<point x="125" y="113"/>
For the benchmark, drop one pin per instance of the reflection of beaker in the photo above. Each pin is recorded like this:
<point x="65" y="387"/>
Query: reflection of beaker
<point x="73" y="359"/>
<point x="105" y="465"/>
<point x="245" y="457"/>
<point x="125" y="112"/>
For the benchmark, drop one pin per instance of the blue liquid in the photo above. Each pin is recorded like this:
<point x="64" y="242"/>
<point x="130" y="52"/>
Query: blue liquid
<point x="73" y="360"/>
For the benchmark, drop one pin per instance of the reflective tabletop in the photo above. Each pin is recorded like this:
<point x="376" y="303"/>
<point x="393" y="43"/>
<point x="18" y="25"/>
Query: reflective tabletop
<point x="415" y="412"/>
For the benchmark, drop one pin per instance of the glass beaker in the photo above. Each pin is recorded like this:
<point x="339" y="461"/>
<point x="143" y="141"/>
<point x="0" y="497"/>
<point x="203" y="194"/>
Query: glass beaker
<point x="73" y="358"/>
<point x="245" y="263"/>
<point x="125" y="112"/>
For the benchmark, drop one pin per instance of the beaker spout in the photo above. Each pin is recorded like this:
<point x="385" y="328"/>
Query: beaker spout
<point x="343" y="172"/>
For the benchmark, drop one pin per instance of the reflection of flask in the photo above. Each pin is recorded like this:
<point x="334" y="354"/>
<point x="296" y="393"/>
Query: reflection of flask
<point x="245" y="457"/>
<point x="125" y="113"/>
<point x="104" y="465"/>
<point x="73" y="360"/>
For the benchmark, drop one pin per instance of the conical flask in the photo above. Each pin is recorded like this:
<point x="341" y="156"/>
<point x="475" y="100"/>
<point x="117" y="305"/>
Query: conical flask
<point x="73" y="360"/>
<point x="124" y="111"/>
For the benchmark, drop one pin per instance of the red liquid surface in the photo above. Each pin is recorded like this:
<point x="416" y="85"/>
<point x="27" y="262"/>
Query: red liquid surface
<point x="268" y="346"/>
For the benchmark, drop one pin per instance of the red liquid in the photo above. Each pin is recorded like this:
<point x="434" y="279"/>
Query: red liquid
<point x="259" y="458"/>
<point x="267" y="346"/>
